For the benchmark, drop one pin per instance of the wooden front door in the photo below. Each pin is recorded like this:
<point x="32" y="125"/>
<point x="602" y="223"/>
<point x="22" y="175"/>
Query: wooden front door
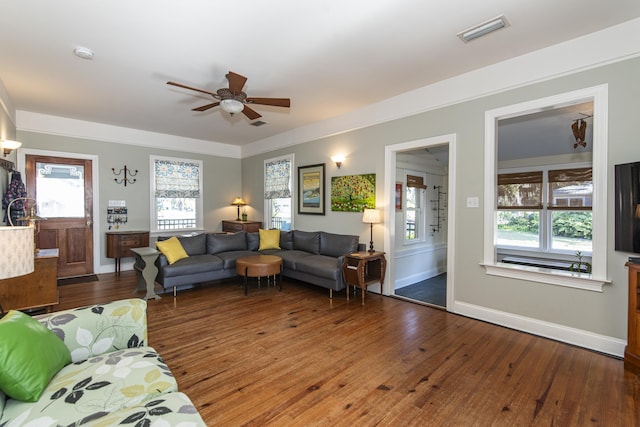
<point x="63" y="188"/>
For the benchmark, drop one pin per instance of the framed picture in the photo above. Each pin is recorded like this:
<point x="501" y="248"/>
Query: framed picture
<point x="353" y="193"/>
<point x="398" y="196"/>
<point x="311" y="189"/>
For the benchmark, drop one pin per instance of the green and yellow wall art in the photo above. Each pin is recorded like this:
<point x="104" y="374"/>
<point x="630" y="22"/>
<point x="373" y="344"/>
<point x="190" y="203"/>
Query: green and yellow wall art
<point x="353" y="193"/>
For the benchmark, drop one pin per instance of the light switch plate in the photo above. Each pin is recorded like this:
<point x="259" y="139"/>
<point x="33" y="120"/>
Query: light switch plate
<point x="473" y="202"/>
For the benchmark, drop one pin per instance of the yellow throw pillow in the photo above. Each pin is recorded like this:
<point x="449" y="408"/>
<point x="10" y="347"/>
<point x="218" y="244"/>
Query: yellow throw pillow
<point x="172" y="249"/>
<point x="269" y="239"/>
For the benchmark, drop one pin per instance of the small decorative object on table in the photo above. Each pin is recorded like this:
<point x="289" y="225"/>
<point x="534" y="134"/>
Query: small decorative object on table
<point x="244" y="216"/>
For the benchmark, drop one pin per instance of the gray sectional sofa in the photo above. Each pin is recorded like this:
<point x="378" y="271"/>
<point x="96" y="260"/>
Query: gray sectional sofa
<point x="313" y="257"/>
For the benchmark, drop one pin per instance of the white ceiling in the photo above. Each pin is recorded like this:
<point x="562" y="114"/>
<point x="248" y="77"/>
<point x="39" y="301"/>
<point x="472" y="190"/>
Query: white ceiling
<point x="330" y="57"/>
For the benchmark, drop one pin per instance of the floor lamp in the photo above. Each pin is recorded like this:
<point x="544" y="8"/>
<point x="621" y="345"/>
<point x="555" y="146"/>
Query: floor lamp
<point x="16" y="253"/>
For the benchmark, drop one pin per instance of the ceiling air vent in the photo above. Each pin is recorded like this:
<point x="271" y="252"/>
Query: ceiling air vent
<point x="483" y="29"/>
<point x="258" y="123"/>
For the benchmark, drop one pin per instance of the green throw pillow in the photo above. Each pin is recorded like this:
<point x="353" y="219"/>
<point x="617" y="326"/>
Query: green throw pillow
<point x="30" y="355"/>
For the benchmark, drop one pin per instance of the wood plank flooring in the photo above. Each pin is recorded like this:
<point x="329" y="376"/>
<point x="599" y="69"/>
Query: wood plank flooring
<point x="297" y="358"/>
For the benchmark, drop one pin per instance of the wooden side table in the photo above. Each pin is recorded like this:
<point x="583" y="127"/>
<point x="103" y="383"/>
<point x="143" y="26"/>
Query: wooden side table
<point x="36" y="289"/>
<point x="119" y="244"/>
<point x="362" y="269"/>
<point x="632" y="350"/>
<point x="233" y="226"/>
<point x="146" y="269"/>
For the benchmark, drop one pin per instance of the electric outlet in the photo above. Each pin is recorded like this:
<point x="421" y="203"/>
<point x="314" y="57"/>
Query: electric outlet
<point x="473" y="202"/>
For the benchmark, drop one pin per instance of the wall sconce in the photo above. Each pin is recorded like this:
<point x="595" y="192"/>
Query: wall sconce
<point x="127" y="173"/>
<point x="371" y="216"/>
<point x="8" y="146"/>
<point x="338" y="159"/>
<point x="238" y="201"/>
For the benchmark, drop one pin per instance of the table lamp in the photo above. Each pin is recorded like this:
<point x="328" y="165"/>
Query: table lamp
<point x="238" y="201"/>
<point x="371" y="216"/>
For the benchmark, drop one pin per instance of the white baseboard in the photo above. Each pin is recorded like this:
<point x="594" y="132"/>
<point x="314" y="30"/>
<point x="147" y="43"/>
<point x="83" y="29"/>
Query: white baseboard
<point x="418" y="277"/>
<point x="602" y="343"/>
<point x="111" y="268"/>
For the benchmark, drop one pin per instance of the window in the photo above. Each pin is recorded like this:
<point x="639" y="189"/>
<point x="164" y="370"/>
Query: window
<point x="414" y="209"/>
<point x="561" y="225"/>
<point x="176" y="194"/>
<point x="278" y="181"/>
<point x="598" y="96"/>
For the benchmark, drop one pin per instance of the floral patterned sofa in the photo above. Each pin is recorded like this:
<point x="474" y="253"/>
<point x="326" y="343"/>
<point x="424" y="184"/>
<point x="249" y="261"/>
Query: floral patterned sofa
<point x="114" y="377"/>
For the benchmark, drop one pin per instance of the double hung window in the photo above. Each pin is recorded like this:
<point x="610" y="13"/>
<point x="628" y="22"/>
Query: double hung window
<point x="278" y="182"/>
<point x="545" y="210"/>
<point x="176" y="194"/>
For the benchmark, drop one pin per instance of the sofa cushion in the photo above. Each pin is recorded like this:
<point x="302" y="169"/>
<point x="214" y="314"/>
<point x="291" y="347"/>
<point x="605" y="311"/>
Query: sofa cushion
<point x="286" y="240"/>
<point x="321" y="266"/>
<point x="172" y="249"/>
<point x="93" y="388"/>
<point x="289" y="258"/>
<point x="217" y="243"/>
<point x="269" y="239"/>
<point x="253" y="241"/>
<point x="30" y="355"/>
<point x="194" y="245"/>
<point x="336" y="245"/>
<point x="194" y="265"/>
<point x="306" y="241"/>
<point x="229" y="258"/>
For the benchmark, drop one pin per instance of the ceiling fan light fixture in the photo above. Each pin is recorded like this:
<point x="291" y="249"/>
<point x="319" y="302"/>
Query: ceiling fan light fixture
<point x="231" y="106"/>
<point x="483" y="28"/>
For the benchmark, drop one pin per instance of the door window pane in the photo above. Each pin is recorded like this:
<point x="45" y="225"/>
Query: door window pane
<point x="60" y="190"/>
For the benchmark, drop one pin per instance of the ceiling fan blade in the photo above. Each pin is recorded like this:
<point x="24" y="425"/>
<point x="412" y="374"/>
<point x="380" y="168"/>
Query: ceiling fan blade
<point x="206" y="107"/>
<point x="236" y="82"/>
<point x="278" y="102"/>
<point x="251" y="114"/>
<point x="190" y="88"/>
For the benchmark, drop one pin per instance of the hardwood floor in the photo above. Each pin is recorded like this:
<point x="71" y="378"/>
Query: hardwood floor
<point x="297" y="358"/>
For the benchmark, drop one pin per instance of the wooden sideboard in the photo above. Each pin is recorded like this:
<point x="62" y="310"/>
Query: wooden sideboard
<point x="632" y="350"/>
<point x="33" y="290"/>
<point x="233" y="226"/>
<point x="119" y="244"/>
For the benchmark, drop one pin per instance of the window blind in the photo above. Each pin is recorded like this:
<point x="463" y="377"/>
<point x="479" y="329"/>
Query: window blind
<point x="177" y="179"/>
<point x="277" y="178"/>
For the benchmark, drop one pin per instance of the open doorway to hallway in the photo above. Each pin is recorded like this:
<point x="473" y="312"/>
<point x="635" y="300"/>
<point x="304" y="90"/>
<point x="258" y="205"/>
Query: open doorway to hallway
<point x="418" y="220"/>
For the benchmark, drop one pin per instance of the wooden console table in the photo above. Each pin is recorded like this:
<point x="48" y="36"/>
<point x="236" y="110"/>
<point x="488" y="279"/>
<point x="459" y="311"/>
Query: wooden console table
<point x="233" y="226"/>
<point x="362" y="269"/>
<point x="33" y="290"/>
<point x="119" y="244"/>
<point x="632" y="350"/>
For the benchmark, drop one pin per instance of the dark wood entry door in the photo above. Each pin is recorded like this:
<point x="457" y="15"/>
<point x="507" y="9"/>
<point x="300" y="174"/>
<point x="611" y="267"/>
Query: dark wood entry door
<point x="63" y="188"/>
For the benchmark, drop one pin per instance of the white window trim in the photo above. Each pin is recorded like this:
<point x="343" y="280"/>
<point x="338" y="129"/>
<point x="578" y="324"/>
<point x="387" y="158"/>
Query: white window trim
<point x="267" y="207"/>
<point x="598" y="277"/>
<point x="153" y="214"/>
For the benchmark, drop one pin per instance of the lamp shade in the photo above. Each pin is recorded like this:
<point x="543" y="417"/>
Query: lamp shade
<point x="16" y="251"/>
<point x="371" y="216"/>
<point x="238" y="201"/>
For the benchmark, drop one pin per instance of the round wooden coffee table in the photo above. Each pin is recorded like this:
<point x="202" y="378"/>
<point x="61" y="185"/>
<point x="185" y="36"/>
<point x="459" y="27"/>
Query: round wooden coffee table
<point x="259" y="266"/>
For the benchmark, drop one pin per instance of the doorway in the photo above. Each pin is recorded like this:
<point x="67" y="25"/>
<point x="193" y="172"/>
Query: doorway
<point x="421" y="267"/>
<point x="63" y="187"/>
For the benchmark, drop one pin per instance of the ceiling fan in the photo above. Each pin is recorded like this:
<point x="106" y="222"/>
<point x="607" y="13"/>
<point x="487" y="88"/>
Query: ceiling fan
<point x="233" y="100"/>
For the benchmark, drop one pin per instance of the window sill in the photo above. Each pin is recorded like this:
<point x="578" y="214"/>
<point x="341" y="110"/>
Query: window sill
<point x="548" y="276"/>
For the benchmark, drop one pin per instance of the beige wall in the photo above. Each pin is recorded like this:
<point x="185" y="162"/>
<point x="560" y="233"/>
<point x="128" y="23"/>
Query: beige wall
<point x="596" y="313"/>
<point x="221" y="180"/>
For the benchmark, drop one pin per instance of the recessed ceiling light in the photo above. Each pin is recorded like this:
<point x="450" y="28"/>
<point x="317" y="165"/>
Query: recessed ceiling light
<point x="484" y="28"/>
<point x="83" y="52"/>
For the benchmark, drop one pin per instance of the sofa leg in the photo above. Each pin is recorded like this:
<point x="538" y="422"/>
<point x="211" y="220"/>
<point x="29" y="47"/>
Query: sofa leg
<point x="330" y="293"/>
<point x="174" y="291"/>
